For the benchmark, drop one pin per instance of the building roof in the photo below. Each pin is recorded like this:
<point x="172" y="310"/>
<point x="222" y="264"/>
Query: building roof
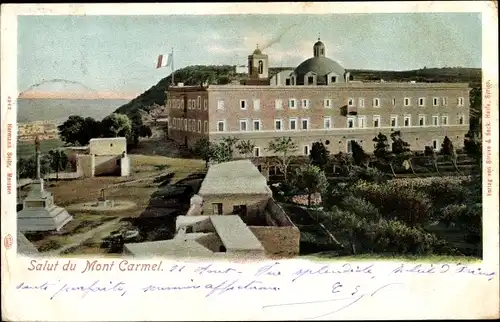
<point x="108" y="139"/>
<point x="234" y="177"/>
<point x="169" y="248"/>
<point x="320" y="65"/>
<point x="234" y="234"/>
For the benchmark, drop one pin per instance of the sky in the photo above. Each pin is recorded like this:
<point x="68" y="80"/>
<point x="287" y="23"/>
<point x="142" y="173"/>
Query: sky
<point x="119" y="53"/>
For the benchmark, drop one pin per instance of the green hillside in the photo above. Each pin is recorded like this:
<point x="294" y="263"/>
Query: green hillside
<point x="224" y="74"/>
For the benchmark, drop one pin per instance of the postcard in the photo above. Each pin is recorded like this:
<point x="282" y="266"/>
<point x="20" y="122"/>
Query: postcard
<point x="252" y="161"/>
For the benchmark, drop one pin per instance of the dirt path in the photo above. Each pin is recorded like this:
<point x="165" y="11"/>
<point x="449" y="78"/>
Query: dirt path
<point x="81" y="238"/>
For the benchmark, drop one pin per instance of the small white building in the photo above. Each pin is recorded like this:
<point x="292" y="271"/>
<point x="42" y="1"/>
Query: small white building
<point x="104" y="156"/>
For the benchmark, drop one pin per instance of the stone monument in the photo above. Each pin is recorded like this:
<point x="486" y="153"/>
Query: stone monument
<point x="39" y="212"/>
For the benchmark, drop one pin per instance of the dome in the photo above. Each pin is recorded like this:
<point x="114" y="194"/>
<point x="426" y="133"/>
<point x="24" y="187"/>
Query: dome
<point x="257" y="52"/>
<point x="319" y="43"/>
<point x="321" y="66"/>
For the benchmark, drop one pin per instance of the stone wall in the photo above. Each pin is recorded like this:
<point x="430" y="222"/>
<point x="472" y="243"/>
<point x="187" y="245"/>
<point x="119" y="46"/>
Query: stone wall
<point x="278" y="241"/>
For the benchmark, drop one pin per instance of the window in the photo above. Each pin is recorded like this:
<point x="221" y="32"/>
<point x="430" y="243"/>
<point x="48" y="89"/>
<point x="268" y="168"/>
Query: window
<point x="421" y="120"/>
<point x="256" y="104"/>
<point x="221" y="125"/>
<point x="278" y="104"/>
<point x="205" y="126"/>
<point x="278" y="125"/>
<point x="243" y="104"/>
<point x="327" y="123"/>
<point x="444" y="120"/>
<point x="333" y="79"/>
<point x="205" y="104"/>
<point x="185" y="124"/>
<point x="350" y="102"/>
<point x="350" y="122"/>
<point x="421" y="101"/>
<point x="243" y="125"/>
<point x="376" y="102"/>
<point x="292" y="104"/>
<point x="306" y="149"/>
<point x="199" y="102"/>
<point x="361" y="122"/>
<point x="327" y="103"/>
<point x="407" y="121"/>
<point x="376" y="121"/>
<point x="287" y="81"/>
<point x="261" y="67"/>
<point x="460" y="120"/>
<point x="293" y="124"/>
<point x="394" y="121"/>
<point x="305" y="124"/>
<point x="189" y="125"/>
<point x="220" y="104"/>
<point x="256" y="125"/>
<point x="435" y="101"/>
<point x="407" y="101"/>
<point x="435" y="144"/>
<point x="199" y="126"/>
<point x="305" y="103"/>
<point x="435" y="121"/>
<point x="460" y="101"/>
<point x="310" y="80"/>
<point x="393" y="102"/>
<point x="361" y="102"/>
<point x="445" y="101"/>
<point x="256" y="152"/>
<point x="189" y="104"/>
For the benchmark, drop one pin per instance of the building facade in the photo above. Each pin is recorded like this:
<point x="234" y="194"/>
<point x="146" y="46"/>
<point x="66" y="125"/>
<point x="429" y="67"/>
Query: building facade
<point x="318" y="101"/>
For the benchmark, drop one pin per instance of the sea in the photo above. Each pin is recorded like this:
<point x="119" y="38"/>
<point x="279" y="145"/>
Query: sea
<point x="58" y="110"/>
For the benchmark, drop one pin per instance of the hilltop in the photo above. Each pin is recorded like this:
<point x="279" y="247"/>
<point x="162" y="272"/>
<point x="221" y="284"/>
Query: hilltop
<point x="224" y="74"/>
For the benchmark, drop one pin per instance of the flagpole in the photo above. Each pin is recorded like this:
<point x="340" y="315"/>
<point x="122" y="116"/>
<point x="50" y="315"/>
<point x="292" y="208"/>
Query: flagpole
<point x="173" y="70"/>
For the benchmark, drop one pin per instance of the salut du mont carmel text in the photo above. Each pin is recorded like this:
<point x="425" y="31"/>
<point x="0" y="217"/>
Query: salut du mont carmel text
<point x="94" y="266"/>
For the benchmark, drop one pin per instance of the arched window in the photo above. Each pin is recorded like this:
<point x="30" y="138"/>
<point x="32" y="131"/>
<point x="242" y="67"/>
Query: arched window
<point x="261" y="67"/>
<point x="322" y="51"/>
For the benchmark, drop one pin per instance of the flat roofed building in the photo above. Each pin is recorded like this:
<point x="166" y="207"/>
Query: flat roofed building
<point x="318" y="101"/>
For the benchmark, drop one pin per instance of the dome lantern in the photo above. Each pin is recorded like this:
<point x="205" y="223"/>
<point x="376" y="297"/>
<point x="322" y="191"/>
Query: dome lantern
<point x="319" y="49"/>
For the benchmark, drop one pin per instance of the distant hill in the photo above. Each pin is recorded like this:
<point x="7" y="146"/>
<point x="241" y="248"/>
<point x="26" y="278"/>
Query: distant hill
<point x="224" y="74"/>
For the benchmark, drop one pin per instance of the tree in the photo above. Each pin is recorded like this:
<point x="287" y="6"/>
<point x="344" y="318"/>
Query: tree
<point x="284" y="147"/>
<point x="26" y="167"/>
<point x="448" y="150"/>
<point x="319" y="155"/>
<point x="220" y="152"/>
<point x="473" y="145"/>
<point x="310" y="179"/>
<point x="344" y="161"/>
<point x="401" y="150"/>
<point x="230" y="142"/>
<point x="358" y="154"/>
<point x="70" y="131"/>
<point x="382" y="153"/>
<point x="116" y="125"/>
<point x="431" y="154"/>
<point x="91" y="129"/>
<point x="246" y="148"/>
<point x="58" y="161"/>
<point x="202" y="148"/>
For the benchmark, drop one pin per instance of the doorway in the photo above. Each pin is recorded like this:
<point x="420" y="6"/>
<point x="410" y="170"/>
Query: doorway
<point x="217" y="209"/>
<point x="240" y="210"/>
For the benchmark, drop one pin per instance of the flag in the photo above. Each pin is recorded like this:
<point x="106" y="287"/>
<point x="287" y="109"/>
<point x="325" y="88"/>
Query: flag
<point x="164" y="61"/>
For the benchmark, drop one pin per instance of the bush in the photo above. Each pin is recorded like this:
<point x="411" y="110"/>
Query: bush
<point x="410" y="206"/>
